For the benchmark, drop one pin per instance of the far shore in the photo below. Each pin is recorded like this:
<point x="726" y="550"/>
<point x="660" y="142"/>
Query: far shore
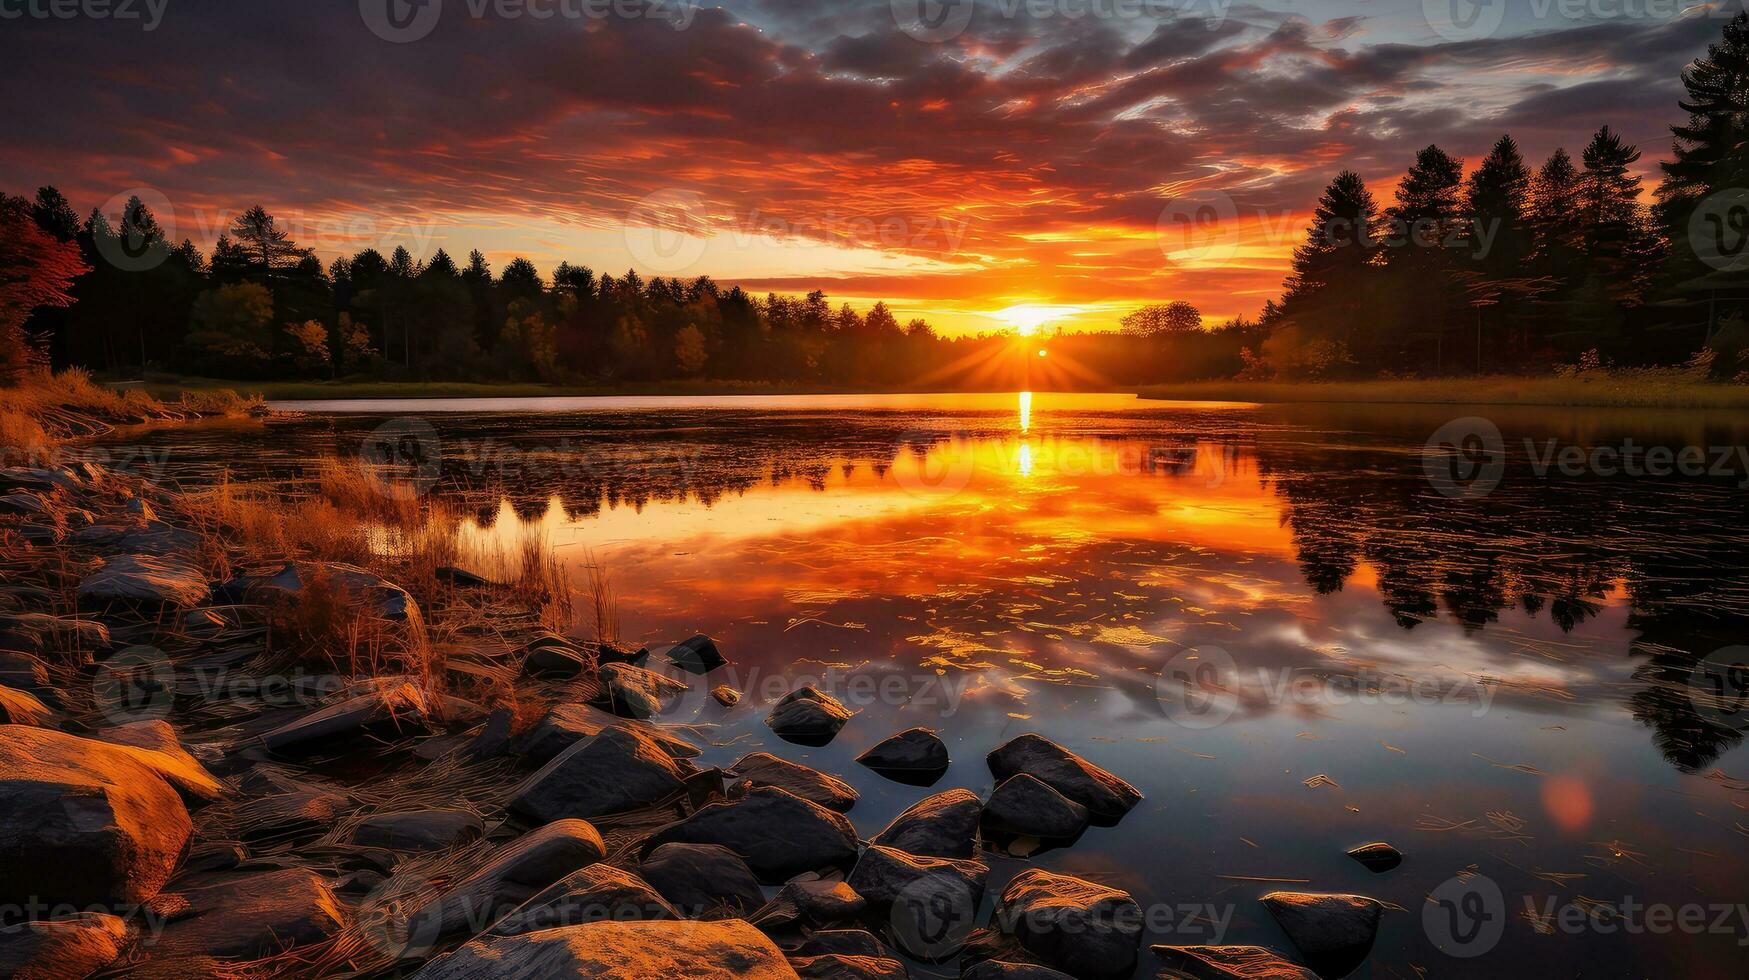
<point x="1622" y="390"/>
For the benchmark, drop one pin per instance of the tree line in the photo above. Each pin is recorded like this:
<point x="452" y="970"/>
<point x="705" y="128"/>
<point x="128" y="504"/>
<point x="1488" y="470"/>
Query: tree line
<point x="1512" y="269"/>
<point x="1506" y="269"/>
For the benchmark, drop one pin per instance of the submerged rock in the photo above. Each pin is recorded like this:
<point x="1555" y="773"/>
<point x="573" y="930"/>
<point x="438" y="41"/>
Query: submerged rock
<point x="84" y="823"/>
<point x="246" y="916"/>
<point x="588" y="895"/>
<point x="944" y="825"/>
<point x="731" y="949"/>
<point x="1104" y="795"/>
<point x="1085" y="929"/>
<point x="1231" y="963"/>
<point x="1378" y="857"/>
<point x="697" y="655"/>
<point x="1333" y="932"/>
<point x="145" y="584"/>
<point x="930" y="904"/>
<point x="634" y="692"/>
<point x="916" y="757"/>
<point x="435" y="829"/>
<point x="778" y="834"/>
<point x="702" y="878"/>
<point x="725" y="695"/>
<point x="765" y="769"/>
<point x="1024" y="806"/>
<point x="808" y="716"/>
<point x="76" y="945"/>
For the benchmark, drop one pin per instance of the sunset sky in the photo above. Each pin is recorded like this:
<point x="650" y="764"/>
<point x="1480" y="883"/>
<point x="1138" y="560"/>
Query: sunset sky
<point x="1039" y="161"/>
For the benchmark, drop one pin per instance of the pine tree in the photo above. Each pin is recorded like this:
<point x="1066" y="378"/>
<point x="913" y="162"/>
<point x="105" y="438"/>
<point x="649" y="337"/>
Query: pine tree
<point x="1620" y="249"/>
<point x="1558" y="233"/>
<point x="1330" y="270"/>
<point x="1423" y="297"/>
<point x="1498" y="192"/>
<point x="55" y="215"/>
<point x="1710" y="147"/>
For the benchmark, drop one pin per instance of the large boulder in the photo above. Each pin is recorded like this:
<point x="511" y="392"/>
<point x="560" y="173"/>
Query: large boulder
<point x="1104" y="795"/>
<point x="778" y="834"/>
<point x="617" y="770"/>
<point x="883" y="876"/>
<point x="143" y="583"/>
<point x="84" y="823"/>
<point x="1230" y="963"/>
<point x="77" y="945"/>
<point x="700" y="879"/>
<point x="916" y="757"/>
<point x="731" y="949"/>
<point x="567" y="723"/>
<point x="514" y="874"/>
<point x="765" y="769"/>
<point x="1333" y="932"/>
<point x="1023" y="806"/>
<point x="1085" y="929"/>
<point x="433" y="829"/>
<point x="588" y="895"/>
<point x="155" y="743"/>
<point x="808" y="716"/>
<point x="21" y="708"/>
<point x="390" y="711"/>
<point x="943" y="825"/>
<point x="634" y="692"/>
<point x="245" y="916"/>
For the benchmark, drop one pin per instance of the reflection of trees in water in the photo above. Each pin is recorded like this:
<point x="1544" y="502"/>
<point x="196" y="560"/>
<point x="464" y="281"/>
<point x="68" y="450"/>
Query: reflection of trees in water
<point x="1560" y="545"/>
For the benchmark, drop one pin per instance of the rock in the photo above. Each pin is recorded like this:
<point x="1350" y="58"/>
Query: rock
<point x="1333" y="932"/>
<point x="1104" y="795"/>
<point x="838" y="967"/>
<point x="390" y="712"/>
<point x="588" y="895"/>
<point x="367" y="592"/>
<point x="916" y="757"/>
<point x="613" y="653"/>
<point x="765" y="769"/>
<point x="69" y="637"/>
<point x="460" y="578"/>
<point x="633" y="692"/>
<point x="808" y="716"/>
<point x="303" y="814"/>
<point x="493" y="739"/>
<point x="700" y="879"/>
<point x="21" y="708"/>
<point x="1002" y="970"/>
<point x="821" y="901"/>
<point x="76" y="945"/>
<point x="154" y="538"/>
<point x="247" y="916"/>
<point x="843" y="942"/>
<point x="435" y="829"/>
<point x="731" y="949"/>
<point x="725" y="695"/>
<point x="40" y="478"/>
<point x="698" y="655"/>
<point x="214" y="855"/>
<point x="617" y="770"/>
<point x="21" y="502"/>
<point x="780" y="835"/>
<point x="1025" y="807"/>
<point x="1084" y="929"/>
<point x="1378" y="857"/>
<point x="568" y="723"/>
<point x="83" y="822"/>
<point x="884" y="875"/>
<point x="25" y="672"/>
<point x="1230" y="963"/>
<point x="514" y="874"/>
<point x="944" y="825"/>
<point x="143" y="583"/>
<point x="155" y="743"/>
<point x="555" y="660"/>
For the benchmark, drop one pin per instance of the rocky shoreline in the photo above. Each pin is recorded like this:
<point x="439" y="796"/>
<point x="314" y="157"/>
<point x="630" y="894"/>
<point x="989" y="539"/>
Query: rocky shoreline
<point x="181" y="794"/>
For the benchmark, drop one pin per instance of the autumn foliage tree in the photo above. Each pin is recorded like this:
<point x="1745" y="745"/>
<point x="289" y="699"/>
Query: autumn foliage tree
<point x="36" y="270"/>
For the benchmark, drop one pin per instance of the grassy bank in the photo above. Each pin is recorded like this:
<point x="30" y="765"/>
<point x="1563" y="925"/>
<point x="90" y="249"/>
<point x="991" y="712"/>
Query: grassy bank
<point x="1616" y="390"/>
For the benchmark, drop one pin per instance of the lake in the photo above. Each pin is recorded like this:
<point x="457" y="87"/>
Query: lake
<point x="1505" y="640"/>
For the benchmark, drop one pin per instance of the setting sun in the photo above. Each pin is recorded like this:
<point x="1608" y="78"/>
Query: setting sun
<point x="1027" y="318"/>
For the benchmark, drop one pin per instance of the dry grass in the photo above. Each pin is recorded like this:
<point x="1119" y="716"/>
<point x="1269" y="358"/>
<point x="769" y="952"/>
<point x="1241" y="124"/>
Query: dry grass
<point x="1633" y="388"/>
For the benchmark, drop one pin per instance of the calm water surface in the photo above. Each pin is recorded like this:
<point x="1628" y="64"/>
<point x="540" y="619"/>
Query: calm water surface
<point x="1268" y="618"/>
